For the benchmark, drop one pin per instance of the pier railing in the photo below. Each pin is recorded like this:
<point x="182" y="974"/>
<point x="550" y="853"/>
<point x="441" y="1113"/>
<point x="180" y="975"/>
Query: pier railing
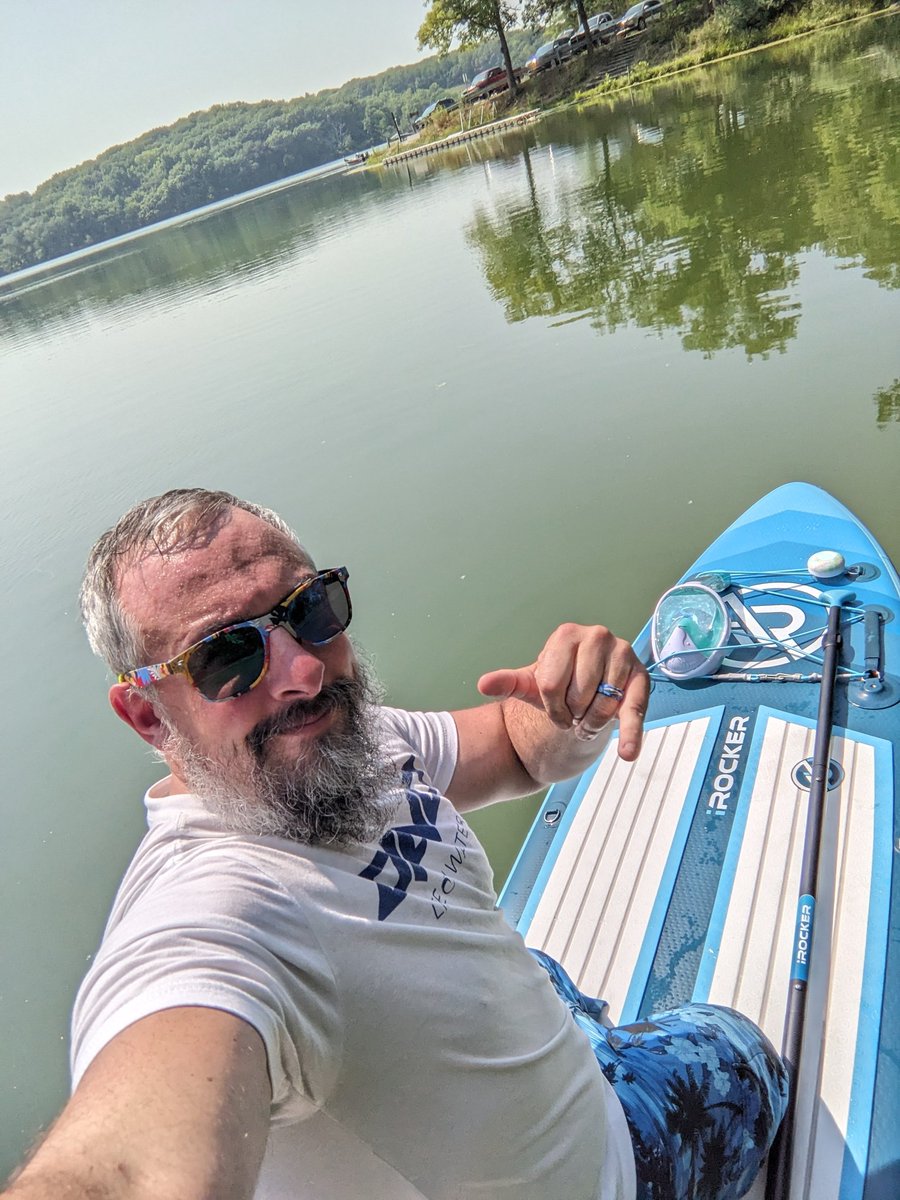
<point x="464" y="135"/>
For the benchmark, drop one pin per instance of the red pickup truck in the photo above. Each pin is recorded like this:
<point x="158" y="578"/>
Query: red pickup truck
<point x="490" y="81"/>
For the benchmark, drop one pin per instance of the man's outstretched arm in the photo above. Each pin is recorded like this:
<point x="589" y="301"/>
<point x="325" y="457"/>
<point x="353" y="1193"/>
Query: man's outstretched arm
<point x="546" y="724"/>
<point x="175" y="1106"/>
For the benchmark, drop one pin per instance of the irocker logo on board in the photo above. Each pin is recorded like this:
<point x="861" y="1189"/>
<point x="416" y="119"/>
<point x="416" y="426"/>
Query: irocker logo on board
<point x="759" y="620"/>
<point x="806" y="909"/>
<point x="729" y="761"/>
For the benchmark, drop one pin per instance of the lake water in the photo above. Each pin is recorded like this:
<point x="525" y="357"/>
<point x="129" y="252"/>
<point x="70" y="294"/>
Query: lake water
<point x="522" y="383"/>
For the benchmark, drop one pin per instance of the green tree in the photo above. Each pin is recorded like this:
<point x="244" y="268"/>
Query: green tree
<point x="468" y="22"/>
<point x="225" y="150"/>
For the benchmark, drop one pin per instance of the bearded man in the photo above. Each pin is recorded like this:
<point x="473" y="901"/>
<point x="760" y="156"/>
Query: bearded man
<point x="305" y="988"/>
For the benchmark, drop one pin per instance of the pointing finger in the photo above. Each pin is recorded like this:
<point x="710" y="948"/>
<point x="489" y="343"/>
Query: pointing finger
<point x="632" y="711"/>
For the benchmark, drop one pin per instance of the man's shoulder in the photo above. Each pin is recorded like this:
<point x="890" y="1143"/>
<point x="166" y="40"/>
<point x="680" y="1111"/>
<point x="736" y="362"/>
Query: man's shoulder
<point x="415" y="726"/>
<point x="429" y="738"/>
<point x="403" y="720"/>
<point x="182" y="872"/>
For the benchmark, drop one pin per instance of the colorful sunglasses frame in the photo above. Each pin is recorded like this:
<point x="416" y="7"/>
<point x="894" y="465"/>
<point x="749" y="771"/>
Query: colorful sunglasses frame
<point x="142" y="677"/>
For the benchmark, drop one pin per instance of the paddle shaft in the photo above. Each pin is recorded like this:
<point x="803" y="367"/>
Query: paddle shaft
<point x="778" y="1178"/>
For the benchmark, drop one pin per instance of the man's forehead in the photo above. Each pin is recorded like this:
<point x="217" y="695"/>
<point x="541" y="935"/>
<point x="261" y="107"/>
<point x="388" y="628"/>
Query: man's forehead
<point x="167" y="589"/>
<point x="236" y="543"/>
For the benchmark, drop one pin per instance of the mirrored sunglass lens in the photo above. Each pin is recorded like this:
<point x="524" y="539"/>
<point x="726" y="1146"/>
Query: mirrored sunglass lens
<point x="320" y="612"/>
<point x="229" y="663"/>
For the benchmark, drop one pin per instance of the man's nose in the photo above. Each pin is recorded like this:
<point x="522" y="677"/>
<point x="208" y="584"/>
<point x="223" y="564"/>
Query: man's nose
<point x="294" y="668"/>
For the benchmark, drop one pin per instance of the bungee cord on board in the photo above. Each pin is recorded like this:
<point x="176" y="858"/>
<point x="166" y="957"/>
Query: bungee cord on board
<point x="821" y="567"/>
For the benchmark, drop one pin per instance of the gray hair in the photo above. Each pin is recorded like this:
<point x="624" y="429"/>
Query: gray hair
<point x="162" y="524"/>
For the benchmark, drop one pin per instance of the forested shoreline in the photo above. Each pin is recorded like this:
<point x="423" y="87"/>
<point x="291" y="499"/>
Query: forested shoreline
<point x="222" y="151"/>
<point x="232" y="148"/>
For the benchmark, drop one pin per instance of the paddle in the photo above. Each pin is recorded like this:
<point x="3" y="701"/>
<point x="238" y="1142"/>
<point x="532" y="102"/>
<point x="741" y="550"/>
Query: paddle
<point x="778" y="1178"/>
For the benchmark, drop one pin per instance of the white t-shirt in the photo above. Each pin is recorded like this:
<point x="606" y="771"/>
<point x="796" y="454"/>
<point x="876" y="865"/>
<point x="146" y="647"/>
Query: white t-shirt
<point x="415" y="1048"/>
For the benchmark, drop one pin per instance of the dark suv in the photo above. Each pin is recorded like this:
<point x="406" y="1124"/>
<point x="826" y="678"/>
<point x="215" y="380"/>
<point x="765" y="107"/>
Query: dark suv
<point x="446" y="103"/>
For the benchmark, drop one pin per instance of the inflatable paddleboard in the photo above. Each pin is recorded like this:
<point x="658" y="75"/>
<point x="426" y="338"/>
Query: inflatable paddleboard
<point x="676" y="878"/>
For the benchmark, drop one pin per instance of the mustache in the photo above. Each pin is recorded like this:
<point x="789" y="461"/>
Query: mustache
<point x="339" y="694"/>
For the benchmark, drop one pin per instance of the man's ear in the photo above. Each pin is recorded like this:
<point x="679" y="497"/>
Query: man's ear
<point x="138" y="712"/>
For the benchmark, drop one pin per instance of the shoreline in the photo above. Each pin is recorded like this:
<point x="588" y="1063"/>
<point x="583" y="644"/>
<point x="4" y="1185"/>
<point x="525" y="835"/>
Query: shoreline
<point x="454" y="139"/>
<point x="584" y="96"/>
<point x="578" y="85"/>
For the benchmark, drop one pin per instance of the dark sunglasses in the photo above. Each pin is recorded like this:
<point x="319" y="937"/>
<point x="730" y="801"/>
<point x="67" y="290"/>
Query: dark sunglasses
<point x="233" y="660"/>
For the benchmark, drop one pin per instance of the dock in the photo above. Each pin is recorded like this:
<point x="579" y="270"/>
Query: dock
<point x="464" y="135"/>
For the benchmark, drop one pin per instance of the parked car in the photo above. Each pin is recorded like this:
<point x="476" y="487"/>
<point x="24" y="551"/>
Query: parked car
<point x="551" y="54"/>
<point x="638" y="16"/>
<point x="564" y="42"/>
<point x="601" y="29"/>
<point x="489" y="81"/>
<point x="446" y="103"/>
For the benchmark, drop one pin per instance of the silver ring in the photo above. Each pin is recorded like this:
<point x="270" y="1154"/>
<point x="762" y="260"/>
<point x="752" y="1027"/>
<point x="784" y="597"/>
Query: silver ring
<point x="611" y="691"/>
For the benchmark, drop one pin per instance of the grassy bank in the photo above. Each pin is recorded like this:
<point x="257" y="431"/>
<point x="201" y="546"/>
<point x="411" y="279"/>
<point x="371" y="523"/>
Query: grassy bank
<point x="686" y="37"/>
<point x="733" y="30"/>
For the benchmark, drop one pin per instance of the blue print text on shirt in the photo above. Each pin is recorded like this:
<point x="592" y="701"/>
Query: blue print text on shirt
<point x="403" y="846"/>
<point x="451" y="866"/>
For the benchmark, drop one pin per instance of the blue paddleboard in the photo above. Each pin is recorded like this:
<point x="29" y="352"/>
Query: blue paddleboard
<point x="676" y="878"/>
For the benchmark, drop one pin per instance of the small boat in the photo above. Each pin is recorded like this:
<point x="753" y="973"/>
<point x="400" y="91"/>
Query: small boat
<point x="356" y="160"/>
<point x="682" y="877"/>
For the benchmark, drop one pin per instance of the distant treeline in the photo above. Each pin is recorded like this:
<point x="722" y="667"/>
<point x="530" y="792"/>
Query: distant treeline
<point x="225" y="150"/>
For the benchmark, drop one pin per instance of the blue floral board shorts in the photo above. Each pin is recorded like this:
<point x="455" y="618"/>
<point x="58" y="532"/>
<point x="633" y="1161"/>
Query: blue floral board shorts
<point x="702" y="1088"/>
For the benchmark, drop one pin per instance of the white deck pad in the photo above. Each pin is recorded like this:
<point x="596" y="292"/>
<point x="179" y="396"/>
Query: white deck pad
<point x="747" y="957"/>
<point x="601" y="901"/>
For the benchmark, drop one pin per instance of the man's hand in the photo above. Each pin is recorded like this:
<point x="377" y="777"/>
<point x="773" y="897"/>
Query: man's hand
<point x="563" y="682"/>
<point x="545" y="727"/>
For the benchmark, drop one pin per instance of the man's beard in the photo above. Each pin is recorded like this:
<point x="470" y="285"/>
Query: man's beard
<point x="333" y="790"/>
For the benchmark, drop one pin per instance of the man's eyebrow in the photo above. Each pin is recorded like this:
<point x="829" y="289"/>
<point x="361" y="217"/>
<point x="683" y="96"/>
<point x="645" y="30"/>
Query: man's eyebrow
<point x="218" y="626"/>
<point x="238" y="618"/>
<point x="241" y="616"/>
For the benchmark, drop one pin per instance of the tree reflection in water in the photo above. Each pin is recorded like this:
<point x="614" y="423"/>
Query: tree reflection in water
<point x="699" y="200"/>
<point x="887" y="404"/>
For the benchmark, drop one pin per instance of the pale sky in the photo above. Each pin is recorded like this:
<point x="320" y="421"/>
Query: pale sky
<point x="81" y="75"/>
